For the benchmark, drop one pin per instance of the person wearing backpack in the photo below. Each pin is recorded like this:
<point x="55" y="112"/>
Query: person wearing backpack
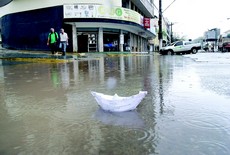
<point x="52" y="40"/>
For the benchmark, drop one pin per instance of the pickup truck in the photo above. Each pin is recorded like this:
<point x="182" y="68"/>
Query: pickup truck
<point x="224" y="42"/>
<point x="184" y="47"/>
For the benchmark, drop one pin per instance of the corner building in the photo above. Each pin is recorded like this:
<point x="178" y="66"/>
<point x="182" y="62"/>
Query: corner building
<point x="92" y="25"/>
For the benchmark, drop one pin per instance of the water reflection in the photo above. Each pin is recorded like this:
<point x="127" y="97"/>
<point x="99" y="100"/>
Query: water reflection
<point x="128" y="119"/>
<point x="1" y="73"/>
<point x="111" y="82"/>
<point x="55" y="78"/>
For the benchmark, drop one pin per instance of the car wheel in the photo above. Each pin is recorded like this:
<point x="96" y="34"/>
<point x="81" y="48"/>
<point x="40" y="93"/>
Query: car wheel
<point x="170" y="52"/>
<point x="224" y="49"/>
<point x="194" y="50"/>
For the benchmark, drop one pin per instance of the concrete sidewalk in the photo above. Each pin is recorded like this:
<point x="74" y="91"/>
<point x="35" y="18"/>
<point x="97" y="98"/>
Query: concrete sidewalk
<point x="8" y="53"/>
<point x="34" y="56"/>
<point x="45" y="55"/>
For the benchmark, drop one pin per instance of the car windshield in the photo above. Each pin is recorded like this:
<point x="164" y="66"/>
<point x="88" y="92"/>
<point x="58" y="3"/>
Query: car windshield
<point x="171" y="44"/>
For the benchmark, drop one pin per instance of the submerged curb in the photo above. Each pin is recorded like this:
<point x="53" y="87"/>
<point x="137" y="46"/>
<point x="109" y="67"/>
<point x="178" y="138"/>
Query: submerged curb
<point x="45" y="57"/>
<point x="35" y="57"/>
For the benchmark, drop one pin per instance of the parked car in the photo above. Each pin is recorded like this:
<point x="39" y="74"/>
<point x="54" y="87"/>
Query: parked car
<point x="184" y="47"/>
<point x="224" y="42"/>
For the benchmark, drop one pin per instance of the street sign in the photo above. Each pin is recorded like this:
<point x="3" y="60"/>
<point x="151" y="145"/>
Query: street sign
<point x="147" y="23"/>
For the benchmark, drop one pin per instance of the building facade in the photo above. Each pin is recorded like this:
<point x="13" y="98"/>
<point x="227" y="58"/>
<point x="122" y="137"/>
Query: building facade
<point x="92" y="25"/>
<point x="166" y="31"/>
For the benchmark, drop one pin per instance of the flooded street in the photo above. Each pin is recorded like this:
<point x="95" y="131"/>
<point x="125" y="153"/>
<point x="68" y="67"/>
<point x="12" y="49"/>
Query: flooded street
<point x="47" y="108"/>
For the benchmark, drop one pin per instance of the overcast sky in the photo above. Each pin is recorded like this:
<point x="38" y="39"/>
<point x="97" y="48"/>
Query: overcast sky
<point x="193" y="17"/>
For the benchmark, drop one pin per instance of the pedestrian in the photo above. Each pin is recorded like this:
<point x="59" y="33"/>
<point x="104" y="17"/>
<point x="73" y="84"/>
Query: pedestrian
<point x="63" y="41"/>
<point x="52" y="40"/>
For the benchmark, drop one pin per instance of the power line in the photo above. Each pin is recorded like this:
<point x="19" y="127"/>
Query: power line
<point x="169" y="6"/>
<point x="155" y="7"/>
<point x="160" y="36"/>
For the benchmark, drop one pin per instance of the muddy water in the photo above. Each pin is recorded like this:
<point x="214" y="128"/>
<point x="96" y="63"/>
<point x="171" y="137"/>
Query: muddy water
<point x="48" y="109"/>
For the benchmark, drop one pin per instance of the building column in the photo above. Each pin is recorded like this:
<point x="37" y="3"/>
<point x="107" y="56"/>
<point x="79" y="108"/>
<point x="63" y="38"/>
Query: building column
<point x="134" y="42"/>
<point x="74" y="31"/>
<point x="144" y="44"/>
<point x="131" y="42"/>
<point x="129" y="4"/>
<point x="138" y="43"/>
<point x="100" y="40"/>
<point x="121" y="41"/>
<point x="141" y="44"/>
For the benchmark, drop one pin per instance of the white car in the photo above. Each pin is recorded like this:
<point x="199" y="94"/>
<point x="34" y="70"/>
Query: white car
<point x="184" y="47"/>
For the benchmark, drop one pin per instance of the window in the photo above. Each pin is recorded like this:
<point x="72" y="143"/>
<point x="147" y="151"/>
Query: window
<point x="179" y="43"/>
<point x="125" y="4"/>
<point x="187" y="43"/>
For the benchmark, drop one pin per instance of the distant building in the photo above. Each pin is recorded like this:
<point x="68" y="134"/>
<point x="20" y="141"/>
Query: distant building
<point x="166" y="33"/>
<point x="92" y="25"/>
<point x="211" y="37"/>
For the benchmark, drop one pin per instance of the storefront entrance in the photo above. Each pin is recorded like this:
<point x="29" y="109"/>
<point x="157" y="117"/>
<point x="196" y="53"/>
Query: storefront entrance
<point x="82" y="43"/>
<point x="111" y="42"/>
<point x="88" y="40"/>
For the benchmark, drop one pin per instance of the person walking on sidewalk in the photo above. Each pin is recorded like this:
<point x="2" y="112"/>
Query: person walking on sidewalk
<point x="63" y="41"/>
<point x="52" y="40"/>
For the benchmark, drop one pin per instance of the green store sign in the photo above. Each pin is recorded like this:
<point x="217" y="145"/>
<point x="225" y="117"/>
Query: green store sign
<point x="101" y="11"/>
<point x="118" y="12"/>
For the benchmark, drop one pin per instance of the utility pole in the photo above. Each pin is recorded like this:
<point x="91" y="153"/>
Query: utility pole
<point x="160" y="25"/>
<point x="160" y="34"/>
<point x="171" y="32"/>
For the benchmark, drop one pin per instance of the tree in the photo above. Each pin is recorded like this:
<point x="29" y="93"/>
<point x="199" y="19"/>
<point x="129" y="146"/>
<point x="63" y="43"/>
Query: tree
<point x="177" y="37"/>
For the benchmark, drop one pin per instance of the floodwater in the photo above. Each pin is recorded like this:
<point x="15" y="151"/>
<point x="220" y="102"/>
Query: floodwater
<point x="47" y="108"/>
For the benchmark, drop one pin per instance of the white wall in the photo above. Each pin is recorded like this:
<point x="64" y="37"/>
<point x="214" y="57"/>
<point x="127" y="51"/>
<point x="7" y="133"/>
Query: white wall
<point x="25" y="5"/>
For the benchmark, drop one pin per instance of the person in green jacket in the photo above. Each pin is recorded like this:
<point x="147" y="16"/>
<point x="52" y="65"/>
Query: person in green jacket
<point x="52" y="40"/>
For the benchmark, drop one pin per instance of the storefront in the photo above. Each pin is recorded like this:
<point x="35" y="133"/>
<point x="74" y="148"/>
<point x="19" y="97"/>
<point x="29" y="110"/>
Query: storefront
<point x="97" y="28"/>
<point x="87" y="40"/>
<point x="90" y="27"/>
